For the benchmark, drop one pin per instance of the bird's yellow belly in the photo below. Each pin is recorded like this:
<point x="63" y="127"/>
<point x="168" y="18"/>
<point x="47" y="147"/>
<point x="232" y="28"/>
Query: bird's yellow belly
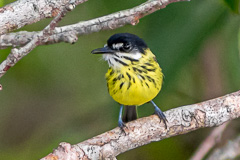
<point x="135" y="95"/>
<point x="132" y="89"/>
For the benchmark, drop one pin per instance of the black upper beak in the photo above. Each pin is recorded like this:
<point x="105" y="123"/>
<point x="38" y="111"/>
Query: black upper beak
<point x="102" y="50"/>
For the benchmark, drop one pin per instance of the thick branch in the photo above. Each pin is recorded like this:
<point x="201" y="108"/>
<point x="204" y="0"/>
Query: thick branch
<point x="23" y="12"/>
<point x="148" y="129"/>
<point x="112" y="21"/>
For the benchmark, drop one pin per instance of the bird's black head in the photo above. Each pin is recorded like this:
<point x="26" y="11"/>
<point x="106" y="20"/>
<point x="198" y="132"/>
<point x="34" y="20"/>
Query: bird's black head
<point x="122" y="49"/>
<point x="126" y="42"/>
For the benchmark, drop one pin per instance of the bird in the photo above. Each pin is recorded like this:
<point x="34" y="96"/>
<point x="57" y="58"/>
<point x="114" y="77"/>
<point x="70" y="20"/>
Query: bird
<point x="134" y="76"/>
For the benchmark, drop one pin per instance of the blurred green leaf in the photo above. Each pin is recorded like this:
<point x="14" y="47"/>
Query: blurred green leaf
<point x="233" y="4"/>
<point x="1" y="3"/>
<point x="173" y="35"/>
<point x="231" y="54"/>
<point x="239" y="41"/>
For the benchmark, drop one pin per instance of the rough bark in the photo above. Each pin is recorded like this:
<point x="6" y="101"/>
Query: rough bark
<point x="23" y="12"/>
<point x="145" y="130"/>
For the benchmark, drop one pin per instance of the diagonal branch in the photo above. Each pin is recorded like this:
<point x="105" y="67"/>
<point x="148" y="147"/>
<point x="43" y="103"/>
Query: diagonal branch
<point x="143" y="131"/>
<point x="231" y="150"/>
<point x="213" y="138"/>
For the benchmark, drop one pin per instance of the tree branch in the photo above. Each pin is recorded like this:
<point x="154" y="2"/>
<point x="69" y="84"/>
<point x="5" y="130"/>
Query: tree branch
<point x="145" y="130"/>
<point x="112" y="21"/>
<point x="17" y="54"/>
<point x="69" y="33"/>
<point x="23" y="12"/>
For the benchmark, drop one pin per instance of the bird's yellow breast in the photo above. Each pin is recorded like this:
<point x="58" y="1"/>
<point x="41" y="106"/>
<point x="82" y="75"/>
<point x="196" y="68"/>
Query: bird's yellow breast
<point x="137" y="83"/>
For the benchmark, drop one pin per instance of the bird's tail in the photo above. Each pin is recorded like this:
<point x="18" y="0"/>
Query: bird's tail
<point x="130" y="113"/>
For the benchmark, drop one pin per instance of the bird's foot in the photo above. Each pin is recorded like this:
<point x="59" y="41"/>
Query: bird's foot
<point x="160" y="114"/>
<point x="121" y="125"/>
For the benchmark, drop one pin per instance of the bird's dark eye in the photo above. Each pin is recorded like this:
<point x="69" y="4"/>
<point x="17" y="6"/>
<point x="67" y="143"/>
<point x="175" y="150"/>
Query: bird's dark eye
<point x="127" y="47"/>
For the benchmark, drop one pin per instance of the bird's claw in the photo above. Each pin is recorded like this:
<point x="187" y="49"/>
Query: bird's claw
<point x="121" y="125"/>
<point x="161" y="116"/>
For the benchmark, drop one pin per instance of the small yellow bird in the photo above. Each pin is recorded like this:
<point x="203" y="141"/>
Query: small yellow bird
<point x="134" y="77"/>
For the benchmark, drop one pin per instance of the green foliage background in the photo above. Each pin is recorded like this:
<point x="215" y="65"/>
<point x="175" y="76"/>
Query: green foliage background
<point x="58" y="92"/>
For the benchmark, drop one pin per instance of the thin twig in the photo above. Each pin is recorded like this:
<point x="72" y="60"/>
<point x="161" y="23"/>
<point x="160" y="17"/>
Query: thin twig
<point x="230" y="151"/>
<point x="209" y="142"/>
<point x="145" y="130"/>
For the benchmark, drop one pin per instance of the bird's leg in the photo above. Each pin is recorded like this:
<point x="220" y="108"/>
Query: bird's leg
<point x="159" y="113"/>
<point x="120" y="122"/>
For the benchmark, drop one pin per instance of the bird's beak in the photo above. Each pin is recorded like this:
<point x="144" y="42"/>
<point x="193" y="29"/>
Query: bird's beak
<point x="102" y="50"/>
